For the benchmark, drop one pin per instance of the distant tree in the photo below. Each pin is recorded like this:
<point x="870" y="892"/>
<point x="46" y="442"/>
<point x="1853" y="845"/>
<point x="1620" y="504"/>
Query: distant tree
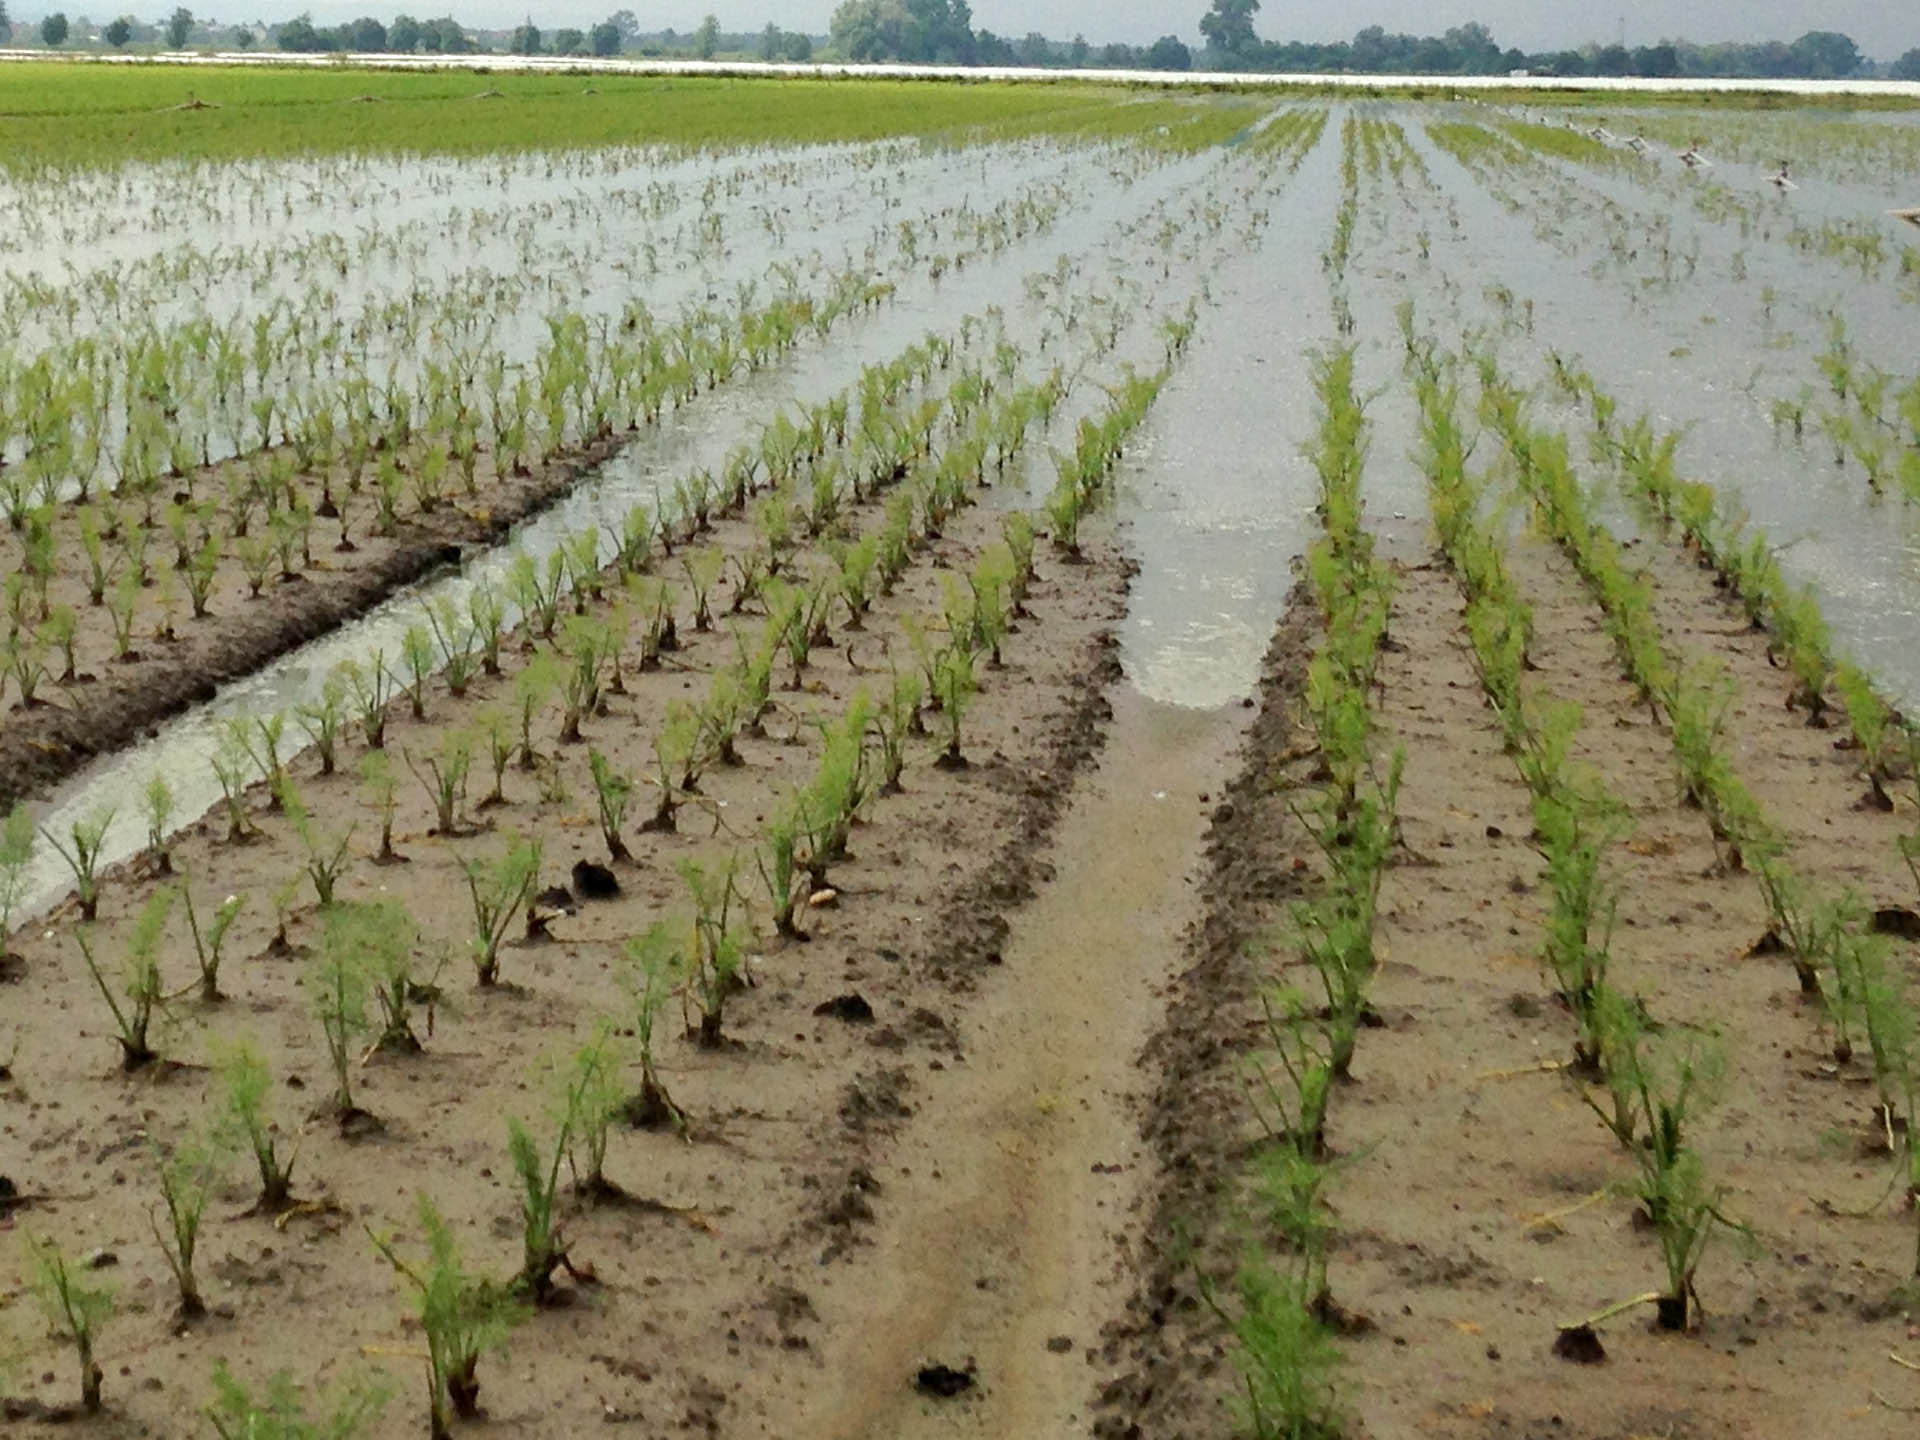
<point x="117" y="32"/>
<point x="53" y="29"/>
<point x="297" y="36"/>
<point x="1078" y="51"/>
<point x="1228" y="27"/>
<point x="444" y="37"/>
<point x="1907" y="67"/>
<point x="365" y="36"/>
<point x="526" y="38"/>
<point x="625" y="23"/>
<point x="6" y="24"/>
<point x="863" y="30"/>
<point x="243" y="37"/>
<point x="770" y="38"/>
<point x="1825" y="55"/>
<point x="991" y="49"/>
<point x="706" y="39"/>
<point x="1660" y="62"/>
<point x="605" y="38"/>
<point x="1168" y="53"/>
<point x="179" y="27"/>
<point x="569" y="42"/>
<point x="797" y="48"/>
<point x="1033" y="49"/>
<point x="403" y="35"/>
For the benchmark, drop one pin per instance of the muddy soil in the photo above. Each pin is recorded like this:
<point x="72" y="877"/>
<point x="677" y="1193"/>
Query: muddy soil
<point x="1478" y="1204"/>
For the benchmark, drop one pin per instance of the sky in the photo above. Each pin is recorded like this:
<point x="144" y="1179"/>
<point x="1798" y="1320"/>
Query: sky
<point x="1882" y="28"/>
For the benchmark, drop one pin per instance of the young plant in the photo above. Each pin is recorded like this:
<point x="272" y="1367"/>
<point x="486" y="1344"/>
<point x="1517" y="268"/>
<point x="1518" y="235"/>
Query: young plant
<point x="88" y="838"/>
<point x="377" y="781"/>
<point x="139" y="994"/>
<point x="953" y="687"/>
<point x="326" y="853"/>
<point x="337" y="984"/>
<point x="719" y="941"/>
<point x="498" y="889"/>
<point x="612" y="790"/>
<point x="244" y="1085"/>
<point x="189" y="1174"/>
<point x="157" y="802"/>
<point x="593" y="1098"/>
<point x="280" y="1413"/>
<point x="462" y="1316"/>
<point x="16" y="853"/>
<point x="75" y="1310"/>
<point x="543" y="1249"/>
<point x="371" y="687"/>
<point x="651" y="973"/>
<point x="445" y="778"/>
<point x="208" y="942"/>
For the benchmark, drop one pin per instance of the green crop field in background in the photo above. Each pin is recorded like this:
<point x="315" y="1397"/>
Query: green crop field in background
<point x="95" y="115"/>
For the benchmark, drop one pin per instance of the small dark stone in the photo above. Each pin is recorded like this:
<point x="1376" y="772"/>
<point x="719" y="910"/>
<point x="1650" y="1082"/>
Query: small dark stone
<point x="1580" y="1344"/>
<point x="1060" y="1345"/>
<point x="1494" y="832"/>
<point x="555" y="897"/>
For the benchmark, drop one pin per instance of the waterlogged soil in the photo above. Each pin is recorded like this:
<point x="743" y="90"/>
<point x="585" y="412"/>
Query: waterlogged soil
<point x="1477" y="1204"/>
<point x="711" y="1273"/>
<point x="115" y="701"/>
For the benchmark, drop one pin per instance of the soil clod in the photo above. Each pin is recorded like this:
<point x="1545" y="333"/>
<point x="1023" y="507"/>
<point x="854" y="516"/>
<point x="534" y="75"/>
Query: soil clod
<point x="1580" y="1344"/>
<point x="943" y="1382"/>
<point x="594" y="882"/>
<point x="852" y="1007"/>
<point x="1895" y="920"/>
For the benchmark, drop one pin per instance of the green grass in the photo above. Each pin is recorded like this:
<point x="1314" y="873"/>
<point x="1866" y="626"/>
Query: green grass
<point x="86" y="116"/>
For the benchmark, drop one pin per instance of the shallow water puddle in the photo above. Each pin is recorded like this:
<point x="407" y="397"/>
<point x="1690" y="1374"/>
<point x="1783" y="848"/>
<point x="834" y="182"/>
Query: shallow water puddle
<point x="1008" y="1209"/>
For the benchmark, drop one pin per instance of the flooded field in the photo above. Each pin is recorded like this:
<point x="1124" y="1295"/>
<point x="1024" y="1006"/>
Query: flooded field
<point x="1176" y="766"/>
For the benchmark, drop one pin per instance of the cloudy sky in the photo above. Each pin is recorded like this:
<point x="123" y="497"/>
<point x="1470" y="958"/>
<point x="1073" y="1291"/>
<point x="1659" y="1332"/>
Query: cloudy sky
<point x="1882" y="28"/>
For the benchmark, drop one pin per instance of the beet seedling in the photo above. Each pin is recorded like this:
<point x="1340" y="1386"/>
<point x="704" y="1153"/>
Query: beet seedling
<point x="16" y="852"/>
<point x="716" y="968"/>
<point x="326" y="854"/>
<point x="377" y="784"/>
<point x="653" y="963"/>
<point x="372" y="689"/>
<point x="953" y="686"/>
<point x="75" y="1310"/>
<point x="445" y="778"/>
<point x="141" y="994"/>
<point x="337" y="985"/>
<point x="498" y="889"/>
<point x="462" y="1315"/>
<point x="280" y="1414"/>
<point x="207" y="943"/>
<point x="594" y="1099"/>
<point x="612" y="790"/>
<point x="89" y="838"/>
<point x="535" y="682"/>
<point x="157" y="801"/>
<point x="244" y="1084"/>
<point x="189" y="1173"/>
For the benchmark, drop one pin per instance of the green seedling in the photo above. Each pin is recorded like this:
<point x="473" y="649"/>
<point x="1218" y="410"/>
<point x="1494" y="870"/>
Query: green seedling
<point x="462" y="1316"/>
<point x="139" y="994"/>
<point x="158" y="803"/>
<point x="323" y="719"/>
<point x="326" y="853"/>
<point x="88" y="838"/>
<point x="612" y="790"/>
<point x="245" y="1083"/>
<point x="75" y="1309"/>
<point x="16" y="853"/>
<point x="209" y="941"/>
<point x="498" y="889"/>
<point x="189" y="1174"/>
<point x="371" y="686"/>
<point x="593" y="1095"/>
<point x="280" y="1413"/>
<point x="716" y="968"/>
<point x="336" y="983"/>
<point x="443" y="776"/>
<point x="378" y="786"/>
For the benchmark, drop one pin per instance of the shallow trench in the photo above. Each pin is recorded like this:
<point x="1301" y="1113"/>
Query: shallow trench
<point x="1014" y="1196"/>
